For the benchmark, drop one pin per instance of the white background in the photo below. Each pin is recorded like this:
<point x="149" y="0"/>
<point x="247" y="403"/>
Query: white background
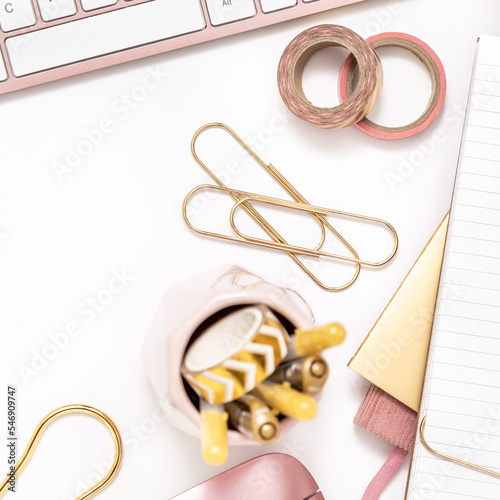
<point x="62" y="236"/>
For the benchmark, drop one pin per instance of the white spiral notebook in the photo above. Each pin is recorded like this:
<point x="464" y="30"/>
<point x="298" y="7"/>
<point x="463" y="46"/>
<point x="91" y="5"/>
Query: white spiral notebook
<point x="461" y="396"/>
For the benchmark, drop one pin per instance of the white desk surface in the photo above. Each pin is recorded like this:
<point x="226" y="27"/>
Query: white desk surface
<point x="119" y="209"/>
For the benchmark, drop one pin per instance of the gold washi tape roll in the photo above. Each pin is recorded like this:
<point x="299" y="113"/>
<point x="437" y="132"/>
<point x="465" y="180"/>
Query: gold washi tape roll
<point x="235" y="354"/>
<point x="294" y="60"/>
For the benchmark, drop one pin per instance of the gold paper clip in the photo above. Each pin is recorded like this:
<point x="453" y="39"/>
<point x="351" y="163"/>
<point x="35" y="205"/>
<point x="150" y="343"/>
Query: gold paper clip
<point x="245" y="200"/>
<point x="469" y="465"/>
<point x="48" y="419"/>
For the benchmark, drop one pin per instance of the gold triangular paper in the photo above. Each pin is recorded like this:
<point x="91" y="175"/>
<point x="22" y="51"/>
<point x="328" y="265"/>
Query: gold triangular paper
<point x="394" y="354"/>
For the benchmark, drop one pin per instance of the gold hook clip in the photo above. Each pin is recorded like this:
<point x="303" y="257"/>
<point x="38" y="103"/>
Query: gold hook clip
<point x="244" y="201"/>
<point x="48" y="419"/>
<point x="450" y="458"/>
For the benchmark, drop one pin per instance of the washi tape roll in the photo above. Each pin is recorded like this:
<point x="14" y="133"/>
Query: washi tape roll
<point x="436" y="71"/>
<point x="235" y="354"/>
<point x="294" y="60"/>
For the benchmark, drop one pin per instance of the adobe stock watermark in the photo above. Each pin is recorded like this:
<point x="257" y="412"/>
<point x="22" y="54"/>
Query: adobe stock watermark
<point x="50" y="10"/>
<point x="381" y="19"/>
<point x="246" y="322"/>
<point x="226" y="11"/>
<point x="56" y="9"/>
<point x="260" y="480"/>
<point x="419" y="324"/>
<point x="121" y="109"/>
<point x="276" y="125"/>
<point x="84" y="314"/>
<point x="453" y="119"/>
<point x="140" y="433"/>
<point x="200" y="202"/>
<point x="427" y="483"/>
<point x="245" y="280"/>
<point x="132" y="440"/>
<point x="294" y="276"/>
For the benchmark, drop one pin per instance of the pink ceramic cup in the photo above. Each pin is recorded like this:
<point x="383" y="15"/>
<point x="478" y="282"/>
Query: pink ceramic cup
<point x="183" y="309"/>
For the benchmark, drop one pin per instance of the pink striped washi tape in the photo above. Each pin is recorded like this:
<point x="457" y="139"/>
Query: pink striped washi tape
<point x="294" y="59"/>
<point x="436" y="71"/>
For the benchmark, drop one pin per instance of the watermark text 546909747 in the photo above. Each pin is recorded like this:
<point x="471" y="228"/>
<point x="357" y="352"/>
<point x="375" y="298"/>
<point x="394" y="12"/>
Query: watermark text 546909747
<point x="11" y="436"/>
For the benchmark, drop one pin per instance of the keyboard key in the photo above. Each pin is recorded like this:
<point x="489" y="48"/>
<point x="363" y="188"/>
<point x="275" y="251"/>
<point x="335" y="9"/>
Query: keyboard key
<point x="272" y="5"/>
<point x="56" y="9"/>
<point x="3" y="70"/>
<point x="16" y="14"/>
<point x="103" y="34"/>
<point x="96" y="4"/>
<point x="229" y="11"/>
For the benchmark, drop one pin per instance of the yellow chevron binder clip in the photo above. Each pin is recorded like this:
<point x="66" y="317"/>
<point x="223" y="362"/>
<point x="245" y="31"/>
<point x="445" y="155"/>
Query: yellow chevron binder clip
<point x="235" y="354"/>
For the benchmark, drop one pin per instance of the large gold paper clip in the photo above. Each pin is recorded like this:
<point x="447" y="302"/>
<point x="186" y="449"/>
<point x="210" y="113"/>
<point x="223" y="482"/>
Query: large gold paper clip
<point x="47" y="420"/>
<point x="439" y="454"/>
<point x="246" y="201"/>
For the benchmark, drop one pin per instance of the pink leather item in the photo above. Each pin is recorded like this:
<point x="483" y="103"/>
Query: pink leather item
<point x="387" y="418"/>
<point x="385" y="474"/>
<point x="275" y="476"/>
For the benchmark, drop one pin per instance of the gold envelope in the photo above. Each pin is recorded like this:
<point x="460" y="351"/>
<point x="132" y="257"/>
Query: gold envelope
<point x="394" y="354"/>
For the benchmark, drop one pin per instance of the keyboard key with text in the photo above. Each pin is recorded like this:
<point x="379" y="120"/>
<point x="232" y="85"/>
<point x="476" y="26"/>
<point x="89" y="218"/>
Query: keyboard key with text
<point x="16" y="14"/>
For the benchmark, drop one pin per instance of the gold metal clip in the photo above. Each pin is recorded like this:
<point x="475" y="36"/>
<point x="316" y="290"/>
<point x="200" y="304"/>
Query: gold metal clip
<point x="450" y="458"/>
<point x="48" y="419"/>
<point x="245" y="200"/>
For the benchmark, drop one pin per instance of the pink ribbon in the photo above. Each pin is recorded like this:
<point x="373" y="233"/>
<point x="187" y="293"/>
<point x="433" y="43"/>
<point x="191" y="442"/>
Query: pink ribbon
<point x="391" y="420"/>
<point x="384" y="475"/>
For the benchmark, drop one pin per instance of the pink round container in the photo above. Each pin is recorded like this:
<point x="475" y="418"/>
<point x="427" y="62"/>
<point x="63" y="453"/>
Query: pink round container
<point x="194" y="303"/>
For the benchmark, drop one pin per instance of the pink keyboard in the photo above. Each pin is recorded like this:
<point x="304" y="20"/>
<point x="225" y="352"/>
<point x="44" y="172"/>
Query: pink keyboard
<point x="46" y="40"/>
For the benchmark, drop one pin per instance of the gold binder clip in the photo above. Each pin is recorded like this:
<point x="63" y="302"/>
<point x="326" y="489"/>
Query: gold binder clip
<point x="469" y="465"/>
<point x="245" y="200"/>
<point x="48" y="419"/>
